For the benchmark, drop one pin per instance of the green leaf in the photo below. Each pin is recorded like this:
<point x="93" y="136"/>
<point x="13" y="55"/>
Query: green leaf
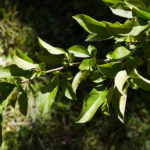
<point x="110" y="69"/>
<point x="85" y="64"/>
<point x="23" y="102"/>
<point x="48" y="58"/>
<point x="140" y="13"/>
<point x="5" y="73"/>
<point x="120" y="80"/>
<point x="13" y="70"/>
<point x="51" y="49"/>
<point x="130" y="28"/>
<point x="110" y="93"/>
<point x="92" y="50"/>
<point x="48" y="94"/>
<point x="97" y="30"/>
<point x="5" y="91"/>
<point x="120" y="53"/>
<point x="105" y="106"/>
<point x="120" y="29"/>
<point x="25" y="65"/>
<point x="122" y="104"/>
<point x="79" y="51"/>
<point x="113" y="1"/>
<point x="98" y="37"/>
<point x="120" y="11"/>
<point x="68" y="90"/>
<point x="23" y="56"/>
<point x="90" y="25"/>
<point x="91" y="104"/>
<point x="115" y="100"/>
<point x="136" y="4"/>
<point x="137" y="30"/>
<point x="23" y="62"/>
<point x="78" y="79"/>
<point x="96" y="76"/>
<point x="139" y="81"/>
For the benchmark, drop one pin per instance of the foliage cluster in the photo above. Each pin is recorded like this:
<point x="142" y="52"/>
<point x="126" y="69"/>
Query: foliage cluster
<point x="109" y="77"/>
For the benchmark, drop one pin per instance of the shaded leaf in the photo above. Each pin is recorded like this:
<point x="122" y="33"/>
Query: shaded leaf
<point x="50" y="59"/>
<point x="23" y="102"/>
<point x="5" y="91"/>
<point x="96" y="76"/>
<point x="68" y="90"/>
<point x="110" y="69"/>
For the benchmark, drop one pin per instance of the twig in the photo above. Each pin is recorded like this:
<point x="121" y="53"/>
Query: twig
<point x="61" y="68"/>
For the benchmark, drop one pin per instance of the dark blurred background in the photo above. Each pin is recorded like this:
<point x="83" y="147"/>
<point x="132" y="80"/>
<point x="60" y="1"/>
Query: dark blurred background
<point x="20" y="25"/>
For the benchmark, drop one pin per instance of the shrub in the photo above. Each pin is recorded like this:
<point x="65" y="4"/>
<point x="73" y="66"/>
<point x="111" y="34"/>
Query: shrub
<point x="108" y="78"/>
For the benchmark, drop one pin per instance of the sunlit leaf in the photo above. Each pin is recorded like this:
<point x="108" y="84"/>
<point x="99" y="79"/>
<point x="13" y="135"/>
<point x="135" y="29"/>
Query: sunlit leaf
<point x="120" y="80"/>
<point x="85" y="65"/>
<point x="91" y="104"/>
<point x="78" y="79"/>
<point x="48" y="94"/>
<point x="120" y="53"/>
<point x="121" y="12"/>
<point x="79" y="51"/>
<point x="23" y="56"/>
<point x="13" y="70"/>
<point x="92" y="50"/>
<point x="140" y="13"/>
<point x="122" y="104"/>
<point x="136" y="4"/>
<point x="90" y="25"/>
<point x="139" y="81"/>
<point x="51" y="49"/>
<point x="23" y="61"/>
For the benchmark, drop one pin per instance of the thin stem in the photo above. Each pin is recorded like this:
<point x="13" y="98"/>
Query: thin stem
<point x="61" y="68"/>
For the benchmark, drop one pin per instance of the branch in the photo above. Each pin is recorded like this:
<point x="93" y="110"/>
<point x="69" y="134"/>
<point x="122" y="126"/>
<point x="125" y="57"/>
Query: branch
<point x="62" y="68"/>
